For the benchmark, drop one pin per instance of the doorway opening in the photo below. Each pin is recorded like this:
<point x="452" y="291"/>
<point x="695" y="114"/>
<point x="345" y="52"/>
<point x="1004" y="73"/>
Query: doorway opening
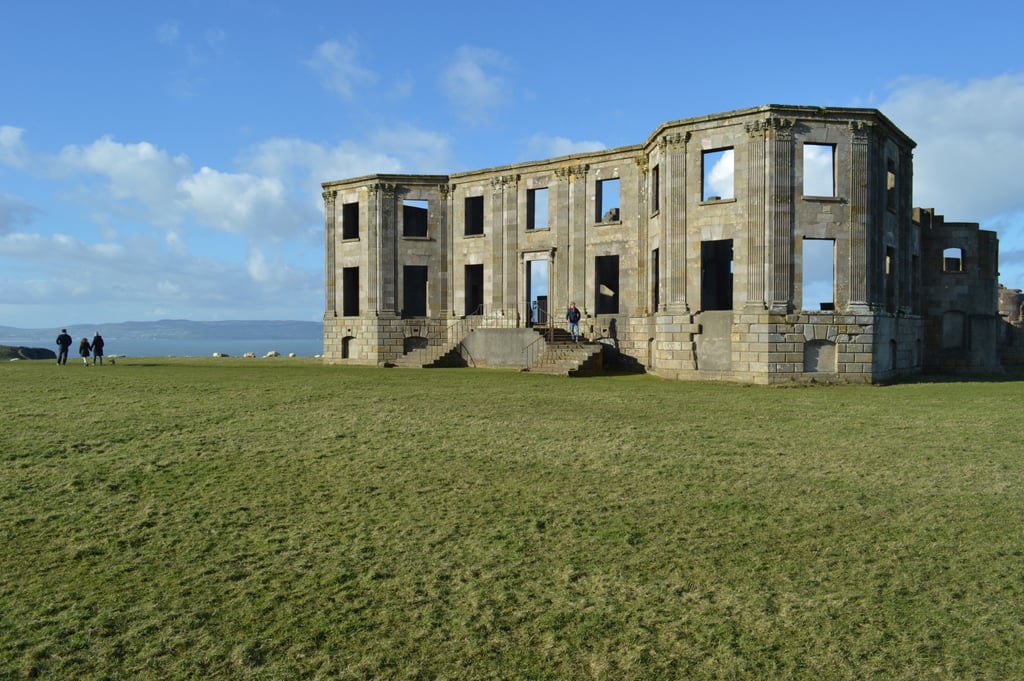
<point x="716" y="275"/>
<point x="537" y="293"/>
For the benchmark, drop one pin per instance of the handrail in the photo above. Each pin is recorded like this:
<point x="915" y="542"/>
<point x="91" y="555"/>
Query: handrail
<point x="533" y="350"/>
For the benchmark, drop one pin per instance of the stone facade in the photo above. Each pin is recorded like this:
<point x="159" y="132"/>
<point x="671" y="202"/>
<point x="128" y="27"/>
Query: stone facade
<point x="696" y="255"/>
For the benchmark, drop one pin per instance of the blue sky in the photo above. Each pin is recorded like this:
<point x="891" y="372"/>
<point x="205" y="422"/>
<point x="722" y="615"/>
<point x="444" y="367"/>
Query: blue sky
<point x="164" y="160"/>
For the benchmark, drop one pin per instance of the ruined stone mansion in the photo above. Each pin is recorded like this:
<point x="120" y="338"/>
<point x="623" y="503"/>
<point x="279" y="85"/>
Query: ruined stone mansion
<point x="765" y="245"/>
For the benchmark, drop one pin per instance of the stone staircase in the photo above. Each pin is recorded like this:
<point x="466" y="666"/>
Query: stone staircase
<point x="433" y="356"/>
<point x="563" y="357"/>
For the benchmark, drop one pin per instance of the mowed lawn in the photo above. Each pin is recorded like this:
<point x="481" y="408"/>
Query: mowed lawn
<point x="279" y="519"/>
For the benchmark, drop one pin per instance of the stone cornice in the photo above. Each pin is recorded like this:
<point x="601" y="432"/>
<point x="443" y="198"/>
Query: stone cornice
<point x="501" y="181"/>
<point x="676" y="139"/>
<point x="570" y="172"/>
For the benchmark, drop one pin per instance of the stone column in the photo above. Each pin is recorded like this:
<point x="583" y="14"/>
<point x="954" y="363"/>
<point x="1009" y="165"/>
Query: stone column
<point x="387" y="251"/>
<point x="643" y="282"/>
<point x="779" y="213"/>
<point x="674" y="242"/>
<point x="756" y="254"/>
<point x="558" y="278"/>
<point x="577" y="227"/>
<point x="860" y="209"/>
<point x="331" y="268"/>
<point x="510" y="249"/>
<point x="445" y="235"/>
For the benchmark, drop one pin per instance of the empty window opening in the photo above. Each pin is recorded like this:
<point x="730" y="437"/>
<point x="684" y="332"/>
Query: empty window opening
<point x="346" y="347"/>
<point x="414" y="291"/>
<point x="474" y="275"/>
<point x="819" y="170"/>
<point x="537" y="290"/>
<point x="820" y="357"/>
<point x="890" y="185"/>
<point x="953" y="260"/>
<point x="350" y="291"/>
<point x="717" y="175"/>
<point x="890" y="279"/>
<point x="537" y="208"/>
<point x="954" y="325"/>
<point x="716" y="275"/>
<point x="350" y="221"/>
<point x="414" y="217"/>
<point x="474" y="215"/>
<point x="607" y="200"/>
<point x="655" y="280"/>
<point x="819" y="279"/>
<point x="606" y="273"/>
<point x="655" y="189"/>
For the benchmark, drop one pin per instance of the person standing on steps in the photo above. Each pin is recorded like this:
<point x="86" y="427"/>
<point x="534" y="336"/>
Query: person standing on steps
<point x="97" y="348"/>
<point x="84" y="349"/>
<point x="63" y="343"/>
<point x="573" y="317"/>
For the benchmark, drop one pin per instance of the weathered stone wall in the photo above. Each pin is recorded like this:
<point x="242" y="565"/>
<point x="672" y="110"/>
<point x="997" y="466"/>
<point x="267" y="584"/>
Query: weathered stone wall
<point x="685" y="273"/>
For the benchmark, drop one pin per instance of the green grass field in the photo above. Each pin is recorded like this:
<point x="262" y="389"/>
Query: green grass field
<point x="278" y="519"/>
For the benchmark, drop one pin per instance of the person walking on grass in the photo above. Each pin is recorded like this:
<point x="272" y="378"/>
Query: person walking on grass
<point x="84" y="349"/>
<point x="573" y="317"/>
<point x="97" y="348"/>
<point x="63" y="343"/>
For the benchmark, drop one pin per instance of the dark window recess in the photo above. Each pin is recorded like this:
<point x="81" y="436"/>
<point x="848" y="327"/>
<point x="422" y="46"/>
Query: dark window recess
<point x="350" y="221"/>
<point x="606" y="269"/>
<point x="414" y="218"/>
<point x="474" y="215"/>
<point x="350" y="291"/>
<point x="474" y="289"/>
<point x="414" y="291"/>
<point x="716" y="275"/>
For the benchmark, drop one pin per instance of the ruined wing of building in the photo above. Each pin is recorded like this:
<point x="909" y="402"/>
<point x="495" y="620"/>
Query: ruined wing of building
<point x="765" y="245"/>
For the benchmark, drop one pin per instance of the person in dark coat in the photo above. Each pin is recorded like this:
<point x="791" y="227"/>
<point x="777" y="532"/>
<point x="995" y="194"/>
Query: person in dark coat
<point x="573" y="317"/>
<point x="84" y="349"/>
<point x="63" y="343"/>
<point x="97" y="348"/>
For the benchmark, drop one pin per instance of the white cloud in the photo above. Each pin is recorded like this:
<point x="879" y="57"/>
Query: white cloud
<point x="472" y="85"/>
<point x="546" y="146"/>
<point x="336" y="65"/>
<point x="137" y="172"/>
<point x="237" y="202"/>
<point x="13" y="151"/>
<point x="970" y="141"/>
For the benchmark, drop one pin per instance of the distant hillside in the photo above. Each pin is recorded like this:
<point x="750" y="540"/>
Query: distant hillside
<point x="7" y="353"/>
<point x="176" y="329"/>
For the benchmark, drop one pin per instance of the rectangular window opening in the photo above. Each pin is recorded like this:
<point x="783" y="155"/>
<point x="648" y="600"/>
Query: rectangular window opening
<point x="717" y="175"/>
<point x="655" y="189"/>
<point x="414" y="218"/>
<point x="474" y="276"/>
<point x="819" y="269"/>
<point x="890" y="279"/>
<point x="350" y="220"/>
<point x="414" y="291"/>
<point x="537" y="208"/>
<point x="953" y="260"/>
<point x="716" y="275"/>
<point x="474" y="215"/>
<point x="655" y="280"/>
<point x="890" y="185"/>
<point x="819" y="169"/>
<point x="607" y="200"/>
<point x="350" y="291"/>
<point x="606" y="278"/>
